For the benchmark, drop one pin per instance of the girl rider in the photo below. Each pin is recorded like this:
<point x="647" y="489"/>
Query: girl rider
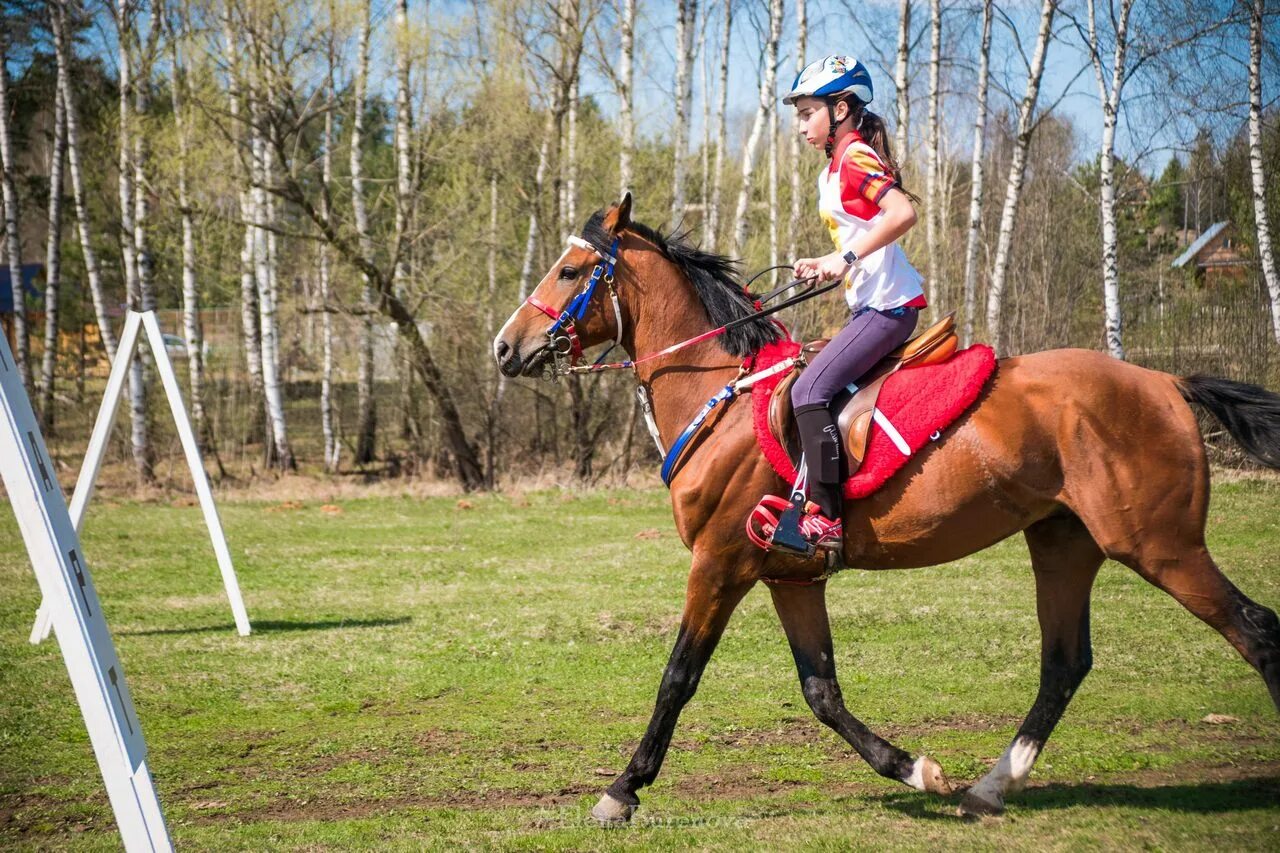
<point x="863" y="203"/>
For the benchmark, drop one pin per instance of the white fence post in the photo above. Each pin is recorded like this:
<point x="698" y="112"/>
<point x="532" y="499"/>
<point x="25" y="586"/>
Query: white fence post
<point x="72" y="603"/>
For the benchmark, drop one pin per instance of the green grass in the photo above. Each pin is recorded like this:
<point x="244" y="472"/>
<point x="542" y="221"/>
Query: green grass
<point x="426" y="675"/>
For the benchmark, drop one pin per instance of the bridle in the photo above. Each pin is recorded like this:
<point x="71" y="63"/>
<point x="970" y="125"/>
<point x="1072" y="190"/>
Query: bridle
<point x="562" y="334"/>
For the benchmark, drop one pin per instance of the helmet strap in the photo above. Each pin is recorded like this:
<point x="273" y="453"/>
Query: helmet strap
<point x="831" y="131"/>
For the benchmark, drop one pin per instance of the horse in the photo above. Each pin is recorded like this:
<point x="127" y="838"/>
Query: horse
<point x="1089" y="457"/>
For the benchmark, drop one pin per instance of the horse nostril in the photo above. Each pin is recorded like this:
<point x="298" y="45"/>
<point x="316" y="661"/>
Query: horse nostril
<point x="501" y="349"/>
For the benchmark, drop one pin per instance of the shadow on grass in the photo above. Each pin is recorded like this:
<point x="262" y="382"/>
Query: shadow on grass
<point x="1192" y="797"/>
<point x="272" y="626"/>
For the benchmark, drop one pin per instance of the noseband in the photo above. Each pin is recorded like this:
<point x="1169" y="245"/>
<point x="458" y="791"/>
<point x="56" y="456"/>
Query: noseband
<point x="562" y="334"/>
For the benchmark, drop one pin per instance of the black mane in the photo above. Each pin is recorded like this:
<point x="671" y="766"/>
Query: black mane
<point x="715" y="280"/>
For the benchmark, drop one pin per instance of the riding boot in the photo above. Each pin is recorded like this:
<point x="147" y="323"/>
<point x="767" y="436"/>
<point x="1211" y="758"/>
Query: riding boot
<point x="820" y="440"/>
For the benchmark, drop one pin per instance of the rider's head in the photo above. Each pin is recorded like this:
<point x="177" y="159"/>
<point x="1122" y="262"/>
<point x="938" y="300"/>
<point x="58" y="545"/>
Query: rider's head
<point x="830" y="97"/>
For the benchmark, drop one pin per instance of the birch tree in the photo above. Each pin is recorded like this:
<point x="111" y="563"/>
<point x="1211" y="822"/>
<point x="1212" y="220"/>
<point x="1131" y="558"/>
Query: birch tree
<point x="1017" y="172"/>
<point x="768" y="86"/>
<point x="901" y="82"/>
<point x="976" y="174"/>
<point x="935" y="142"/>
<point x="1110" y="87"/>
<point x="331" y="445"/>
<point x="686" y="17"/>
<point x="13" y="238"/>
<point x="626" y="96"/>
<point x="178" y="92"/>
<point x="59" y="27"/>
<point x="713" y="215"/>
<point x="366" y="419"/>
<point x="53" y="264"/>
<point x="1256" y="170"/>
<point x="802" y="37"/>
<point x="404" y="197"/>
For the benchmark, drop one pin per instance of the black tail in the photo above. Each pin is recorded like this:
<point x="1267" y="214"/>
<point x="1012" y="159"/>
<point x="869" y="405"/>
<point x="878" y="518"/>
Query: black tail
<point x="1249" y="412"/>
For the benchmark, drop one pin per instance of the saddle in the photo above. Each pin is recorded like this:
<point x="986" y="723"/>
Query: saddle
<point x="855" y="408"/>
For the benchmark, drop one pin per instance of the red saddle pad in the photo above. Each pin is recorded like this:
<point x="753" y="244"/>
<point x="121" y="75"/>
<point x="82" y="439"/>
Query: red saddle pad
<point x="918" y="401"/>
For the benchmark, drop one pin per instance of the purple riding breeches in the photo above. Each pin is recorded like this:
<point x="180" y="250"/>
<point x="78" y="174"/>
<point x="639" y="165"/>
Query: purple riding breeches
<point x="869" y="336"/>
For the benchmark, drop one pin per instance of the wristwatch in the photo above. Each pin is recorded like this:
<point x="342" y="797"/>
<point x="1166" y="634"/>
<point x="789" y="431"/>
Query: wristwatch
<point x="850" y="257"/>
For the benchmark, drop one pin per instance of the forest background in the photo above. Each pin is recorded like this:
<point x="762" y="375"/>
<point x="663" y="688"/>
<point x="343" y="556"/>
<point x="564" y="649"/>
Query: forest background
<point x="333" y="204"/>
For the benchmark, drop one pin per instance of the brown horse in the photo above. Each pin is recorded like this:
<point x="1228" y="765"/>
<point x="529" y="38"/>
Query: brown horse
<point x="1090" y="457"/>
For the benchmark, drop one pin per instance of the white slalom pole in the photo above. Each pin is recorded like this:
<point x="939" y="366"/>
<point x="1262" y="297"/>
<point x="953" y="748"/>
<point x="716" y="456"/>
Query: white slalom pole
<point x="198" y="475"/>
<point x="98" y="441"/>
<point x="72" y="601"/>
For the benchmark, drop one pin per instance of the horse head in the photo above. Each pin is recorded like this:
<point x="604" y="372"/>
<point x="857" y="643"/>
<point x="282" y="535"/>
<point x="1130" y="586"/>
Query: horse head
<point x="568" y="311"/>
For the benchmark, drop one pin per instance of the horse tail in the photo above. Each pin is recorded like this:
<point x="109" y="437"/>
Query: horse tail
<point x="1250" y="413"/>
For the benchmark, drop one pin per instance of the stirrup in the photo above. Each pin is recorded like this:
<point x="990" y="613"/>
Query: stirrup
<point x="776" y="525"/>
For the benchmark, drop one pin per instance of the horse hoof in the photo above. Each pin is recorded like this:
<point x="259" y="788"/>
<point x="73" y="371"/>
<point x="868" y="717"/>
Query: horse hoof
<point x="611" y="812"/>
<point x="975" y="805"/>
<point x="931" y="778"/>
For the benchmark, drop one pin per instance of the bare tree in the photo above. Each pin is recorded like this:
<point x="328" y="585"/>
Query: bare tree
<point x="190" y="292"/>
<point x="1017" y="171"/>
<point x="13" y="239"/>
<point x="768" y="86"/>
<point x="901" y="82"/>
<point x="802" y="37"/>
<point x="932" y="214"/>
<point x="53" y="264"/>
<point x="62" y="52"/>
<point x="367" y="416"/>
<point x="686" y="18"/>
<point x="713" y="215"/>
<point x="1109" y="93"/>
<point x="626" y="95"/>
<point x="331" y="446"/>
<point x="1259" y="183"/>
<point x="976" y="175"/>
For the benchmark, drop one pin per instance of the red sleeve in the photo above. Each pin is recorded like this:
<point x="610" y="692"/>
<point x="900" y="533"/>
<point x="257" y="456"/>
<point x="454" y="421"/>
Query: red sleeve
<point x="863" y="182"/>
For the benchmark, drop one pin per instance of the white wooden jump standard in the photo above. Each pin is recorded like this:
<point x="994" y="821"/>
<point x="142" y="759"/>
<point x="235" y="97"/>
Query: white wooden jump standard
<point x="72" y="603"/>
<point x="134" y="322"/>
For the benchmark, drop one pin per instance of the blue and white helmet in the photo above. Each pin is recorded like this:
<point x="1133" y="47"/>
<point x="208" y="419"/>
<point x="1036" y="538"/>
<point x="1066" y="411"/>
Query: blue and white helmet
<point x="831" y="77"/>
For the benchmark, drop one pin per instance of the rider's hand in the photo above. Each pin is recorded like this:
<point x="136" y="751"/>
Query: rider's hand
<point x="826" y="268"/>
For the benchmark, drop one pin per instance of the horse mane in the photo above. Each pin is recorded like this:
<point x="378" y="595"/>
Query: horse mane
<point x="715" y="281"/>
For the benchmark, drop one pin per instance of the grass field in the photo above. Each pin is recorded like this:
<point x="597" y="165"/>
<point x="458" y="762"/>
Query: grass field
<point x="425" y="673"/>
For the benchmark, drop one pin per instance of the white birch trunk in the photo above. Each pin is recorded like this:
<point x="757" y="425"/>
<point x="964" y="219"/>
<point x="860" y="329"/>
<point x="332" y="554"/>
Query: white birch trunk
<point x="704" y="189"/>
<point x="1265" y="250"/>
<point x="793" y="227"/>
<point x="53" y="265"/>
<point x="935" y="146"/>
<point x="902" y="116"/>
<point x="331" y="446"/>
<point x="62" y="53"/>
<point x="190" y="291"/>
<point x="686" y="15"/>
<point x="265" y="276"/>
<point x="367" y="417"/>
<point x="713" y="215"/>
<point x="1109" y="96"/>
<point x="1017" y="171"/>
<point x="404" y="184"/>
<point x="571" y="159"/>
<point x="758" y="127"/>
<point x="13" y="239"/>
<point x="976" y="177"/>
<point x="774" y="143"/>
<point x="626" y="94"/>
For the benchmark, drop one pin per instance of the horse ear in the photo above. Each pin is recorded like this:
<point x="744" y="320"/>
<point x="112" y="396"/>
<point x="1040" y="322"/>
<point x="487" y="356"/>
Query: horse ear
<point x="619" y="216"/>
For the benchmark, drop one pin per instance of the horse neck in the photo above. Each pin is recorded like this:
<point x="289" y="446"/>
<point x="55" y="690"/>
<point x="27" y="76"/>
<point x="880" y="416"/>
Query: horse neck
<point x="664" y="309"/>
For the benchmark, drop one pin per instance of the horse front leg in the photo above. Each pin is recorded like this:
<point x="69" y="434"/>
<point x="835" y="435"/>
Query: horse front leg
<point x="803" y="611"/>
<point x="709" y="601"/>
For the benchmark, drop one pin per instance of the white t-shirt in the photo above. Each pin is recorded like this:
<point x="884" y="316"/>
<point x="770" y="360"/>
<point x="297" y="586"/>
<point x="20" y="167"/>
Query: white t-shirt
<point x="850" y="188"/>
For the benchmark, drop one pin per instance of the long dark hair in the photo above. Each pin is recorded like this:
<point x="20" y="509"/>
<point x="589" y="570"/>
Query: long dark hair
<point x="873" y="132"/>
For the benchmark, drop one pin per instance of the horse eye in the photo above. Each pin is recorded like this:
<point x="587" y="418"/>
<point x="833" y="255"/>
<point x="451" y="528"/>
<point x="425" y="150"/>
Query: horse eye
<point x="568" y="273"/>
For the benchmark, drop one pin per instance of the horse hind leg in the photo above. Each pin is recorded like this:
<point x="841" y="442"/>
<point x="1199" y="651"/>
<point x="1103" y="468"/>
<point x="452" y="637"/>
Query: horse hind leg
<point x="1065" y="560"/>
<point x="803" y="612"/>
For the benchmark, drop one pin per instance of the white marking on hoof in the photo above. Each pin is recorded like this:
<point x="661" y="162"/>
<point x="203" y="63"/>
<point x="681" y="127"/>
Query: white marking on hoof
<point x="611" y="812"/>
<point x="1007" y="777"/>
<point x="926" y="775"/>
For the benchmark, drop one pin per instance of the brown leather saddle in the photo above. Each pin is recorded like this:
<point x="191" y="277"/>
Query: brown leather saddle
<point x="855" y="411"/>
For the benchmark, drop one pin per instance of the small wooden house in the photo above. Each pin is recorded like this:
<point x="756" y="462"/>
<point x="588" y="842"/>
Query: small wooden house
<point x="1215" y="255"/>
